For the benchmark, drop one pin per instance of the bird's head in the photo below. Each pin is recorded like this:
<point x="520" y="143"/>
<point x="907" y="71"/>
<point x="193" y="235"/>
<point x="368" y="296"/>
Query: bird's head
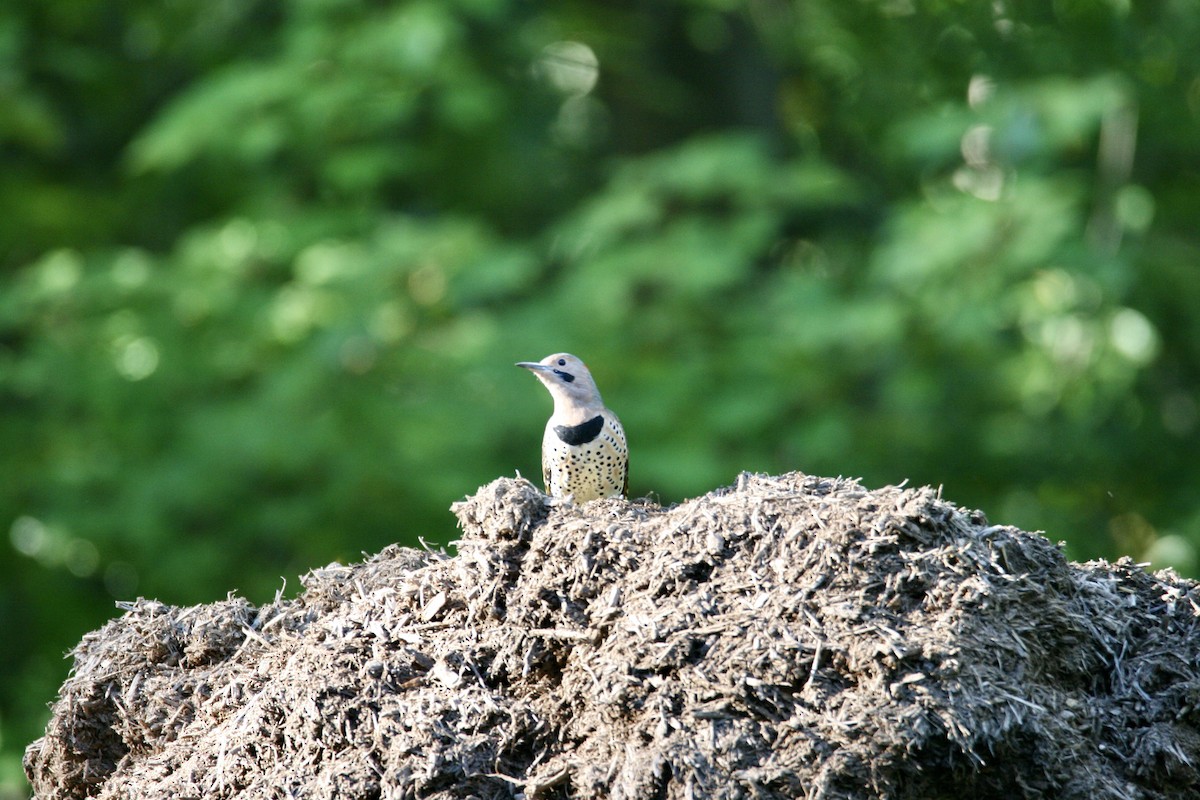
<point x="568" y="380"/>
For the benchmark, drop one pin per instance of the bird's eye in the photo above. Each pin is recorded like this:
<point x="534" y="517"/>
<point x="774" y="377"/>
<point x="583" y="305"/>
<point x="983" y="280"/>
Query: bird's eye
<point x="562" y="362"/>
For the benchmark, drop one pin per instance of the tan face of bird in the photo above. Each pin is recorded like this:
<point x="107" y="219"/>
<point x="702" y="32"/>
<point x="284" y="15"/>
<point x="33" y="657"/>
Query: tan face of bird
<point x="570" y="384"/>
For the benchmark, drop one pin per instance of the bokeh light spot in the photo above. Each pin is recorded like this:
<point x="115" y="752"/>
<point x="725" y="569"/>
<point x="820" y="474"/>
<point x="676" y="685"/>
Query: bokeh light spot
<point x="571" y="68"/>
<point x="137" y="358"/>
<point x="1133" y="336"/>
<point x="28" y="536"/>
<point x="81" y="558"/>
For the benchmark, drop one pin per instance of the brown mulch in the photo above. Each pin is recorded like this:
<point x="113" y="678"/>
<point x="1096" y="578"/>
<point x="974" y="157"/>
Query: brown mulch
<point x="785" y="637"/>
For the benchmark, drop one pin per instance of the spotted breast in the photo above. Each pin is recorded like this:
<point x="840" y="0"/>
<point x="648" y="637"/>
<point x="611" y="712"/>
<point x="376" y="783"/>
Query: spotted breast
<point x="587" y="461"/>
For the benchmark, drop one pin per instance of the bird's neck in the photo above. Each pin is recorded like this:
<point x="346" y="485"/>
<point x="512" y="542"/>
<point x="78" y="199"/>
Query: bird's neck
<point x="574" y="413"/>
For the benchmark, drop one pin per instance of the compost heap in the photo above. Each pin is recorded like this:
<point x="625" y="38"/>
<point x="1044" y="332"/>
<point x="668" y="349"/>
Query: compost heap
<point x="784" y="637"/>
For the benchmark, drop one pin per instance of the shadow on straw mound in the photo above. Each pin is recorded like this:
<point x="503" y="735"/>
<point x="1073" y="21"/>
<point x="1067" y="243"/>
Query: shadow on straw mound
<point x="785" y="637"/>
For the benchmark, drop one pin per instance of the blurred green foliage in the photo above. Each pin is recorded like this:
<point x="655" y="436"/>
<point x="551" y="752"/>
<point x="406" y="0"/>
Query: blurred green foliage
<point x="266" y="269"/>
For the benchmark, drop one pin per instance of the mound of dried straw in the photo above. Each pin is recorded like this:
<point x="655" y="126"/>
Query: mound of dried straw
<point x="785" y="637"/>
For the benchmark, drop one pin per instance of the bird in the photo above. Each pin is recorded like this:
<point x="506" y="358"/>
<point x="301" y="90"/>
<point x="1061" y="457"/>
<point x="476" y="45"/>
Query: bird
<point x="584" y="452"/>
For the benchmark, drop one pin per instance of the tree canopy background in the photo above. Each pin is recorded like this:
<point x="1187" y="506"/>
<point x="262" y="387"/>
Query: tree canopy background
<point x="266" y="269"/>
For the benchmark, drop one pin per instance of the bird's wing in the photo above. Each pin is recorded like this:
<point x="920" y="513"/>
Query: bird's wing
<point x="625" y="489"/>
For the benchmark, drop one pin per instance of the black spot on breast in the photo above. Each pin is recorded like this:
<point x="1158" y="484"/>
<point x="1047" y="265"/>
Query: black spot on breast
<point x="582" y="433"/>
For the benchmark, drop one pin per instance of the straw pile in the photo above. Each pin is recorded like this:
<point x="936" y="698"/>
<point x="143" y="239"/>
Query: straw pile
<point x="785" y="637"/>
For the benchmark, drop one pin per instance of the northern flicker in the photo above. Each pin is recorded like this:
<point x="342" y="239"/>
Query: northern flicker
<point x="584" y="453"/>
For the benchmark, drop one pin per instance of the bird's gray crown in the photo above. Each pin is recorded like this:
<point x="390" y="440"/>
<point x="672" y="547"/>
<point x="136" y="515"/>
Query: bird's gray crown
<point x="570" y="384"/>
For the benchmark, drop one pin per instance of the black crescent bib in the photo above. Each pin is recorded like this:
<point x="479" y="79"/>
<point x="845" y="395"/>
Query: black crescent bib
<point x="582" y="433"/>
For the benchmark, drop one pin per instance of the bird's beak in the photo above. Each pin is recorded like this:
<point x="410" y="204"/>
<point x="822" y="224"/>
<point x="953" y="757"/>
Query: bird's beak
<point x="535" y="366"/>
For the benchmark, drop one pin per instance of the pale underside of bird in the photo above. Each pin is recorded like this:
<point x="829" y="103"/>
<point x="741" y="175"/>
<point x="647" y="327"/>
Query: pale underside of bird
<point x="584" y="452"/>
